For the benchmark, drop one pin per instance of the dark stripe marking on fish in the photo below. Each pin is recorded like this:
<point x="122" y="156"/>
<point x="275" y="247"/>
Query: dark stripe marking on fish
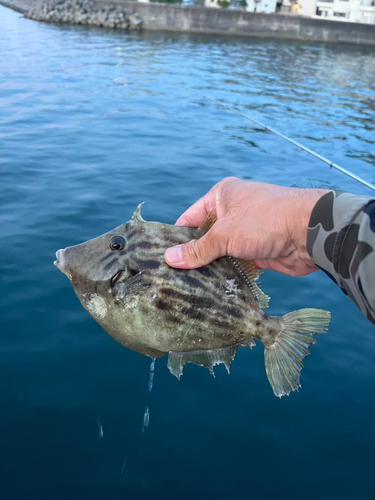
<point x="190" y="299"/>
<point x="110" y="264"/>
<point x="192" y="281"/>
<point x="234" y="312"/>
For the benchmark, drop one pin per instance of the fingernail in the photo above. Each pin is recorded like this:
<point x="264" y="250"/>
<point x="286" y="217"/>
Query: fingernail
<point x="174" y="255"/>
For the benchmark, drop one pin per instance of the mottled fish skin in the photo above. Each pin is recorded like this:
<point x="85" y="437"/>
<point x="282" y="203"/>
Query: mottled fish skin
<point x="170" y="309"/>
<point x="198" y="315"/>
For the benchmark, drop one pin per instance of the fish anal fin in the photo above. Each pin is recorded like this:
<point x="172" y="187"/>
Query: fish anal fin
<point x="283" y="358"/>
<point x="250" y="343"/>
<point x="251" y="274"/>
<point x="208" y="359"/>
<point x="209" y="221"/>
<point x="137" y="214"/>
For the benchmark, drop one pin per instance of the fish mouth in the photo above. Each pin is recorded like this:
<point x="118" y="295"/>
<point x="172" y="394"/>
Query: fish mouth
<point x="59" y="259"/>
<point x="116" y="277"/>
<point x="60" y="263"/>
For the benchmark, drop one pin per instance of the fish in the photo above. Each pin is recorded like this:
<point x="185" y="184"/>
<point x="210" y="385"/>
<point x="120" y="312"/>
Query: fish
<point x="199" y="316"/>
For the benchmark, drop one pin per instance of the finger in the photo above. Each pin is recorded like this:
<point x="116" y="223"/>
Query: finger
<point x="195" y="215"/>
<point x="195" y="253"/>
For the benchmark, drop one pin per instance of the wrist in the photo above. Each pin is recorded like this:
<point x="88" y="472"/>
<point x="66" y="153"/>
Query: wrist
<point x="303" y="205"/>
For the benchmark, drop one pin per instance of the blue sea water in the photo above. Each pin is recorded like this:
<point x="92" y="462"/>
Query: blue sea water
<point x="92" y="122"/>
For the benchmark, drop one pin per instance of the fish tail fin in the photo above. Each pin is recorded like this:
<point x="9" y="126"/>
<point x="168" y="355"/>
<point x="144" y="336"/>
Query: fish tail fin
<point x="283" y="358"/>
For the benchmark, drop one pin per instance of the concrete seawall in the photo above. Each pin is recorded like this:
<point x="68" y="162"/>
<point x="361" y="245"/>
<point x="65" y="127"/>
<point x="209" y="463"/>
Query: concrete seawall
<point x="172" y="17"/>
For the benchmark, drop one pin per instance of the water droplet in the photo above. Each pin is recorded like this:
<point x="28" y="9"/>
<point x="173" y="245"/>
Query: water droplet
<point x="146" y="419"/>
<point x="100" y="429"/>
<point x="151" y="378"/>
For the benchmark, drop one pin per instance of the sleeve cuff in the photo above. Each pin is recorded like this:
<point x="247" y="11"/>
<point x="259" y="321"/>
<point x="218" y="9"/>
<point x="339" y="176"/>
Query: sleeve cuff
<point x="339" y="238"/>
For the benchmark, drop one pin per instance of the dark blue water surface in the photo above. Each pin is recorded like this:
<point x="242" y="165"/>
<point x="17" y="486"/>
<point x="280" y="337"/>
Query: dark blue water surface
<point x="92" y="122"/>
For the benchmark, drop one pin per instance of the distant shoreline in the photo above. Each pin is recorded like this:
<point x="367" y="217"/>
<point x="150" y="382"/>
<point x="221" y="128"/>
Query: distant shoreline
<point x="173" y="17"/>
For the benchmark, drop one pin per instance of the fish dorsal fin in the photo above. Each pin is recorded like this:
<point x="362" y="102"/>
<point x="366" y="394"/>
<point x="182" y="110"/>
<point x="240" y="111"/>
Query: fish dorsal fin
<point x="209" y="221"/>
<point x="246" y="268"/>
<point x="251" y="274"/>
<point x="137" y="213"/>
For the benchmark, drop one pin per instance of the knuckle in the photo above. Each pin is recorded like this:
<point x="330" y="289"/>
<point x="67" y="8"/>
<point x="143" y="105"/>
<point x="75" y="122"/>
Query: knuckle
<point x="229" y="179"/>
<point x="195" y="252"/>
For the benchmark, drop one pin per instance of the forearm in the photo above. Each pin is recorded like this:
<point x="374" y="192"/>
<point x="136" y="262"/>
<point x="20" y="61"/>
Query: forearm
<point x="341" y="242"/>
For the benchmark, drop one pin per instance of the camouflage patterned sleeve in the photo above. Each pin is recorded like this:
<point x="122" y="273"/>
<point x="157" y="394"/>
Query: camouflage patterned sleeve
<point x="341" y="242"/>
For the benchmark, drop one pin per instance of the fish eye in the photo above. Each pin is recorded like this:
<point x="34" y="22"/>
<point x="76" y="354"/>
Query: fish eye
<point x="116" y="243"/>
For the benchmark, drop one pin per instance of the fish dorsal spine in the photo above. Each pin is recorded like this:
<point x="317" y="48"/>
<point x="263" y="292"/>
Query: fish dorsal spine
<point x="137" y="217"/>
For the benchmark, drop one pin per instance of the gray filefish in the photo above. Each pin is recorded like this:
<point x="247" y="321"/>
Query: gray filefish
<point x="197" y="316"/>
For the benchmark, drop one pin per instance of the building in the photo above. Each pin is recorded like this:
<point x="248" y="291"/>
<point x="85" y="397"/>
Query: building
<point x="356" y="11"/>
<point x="263" y="6"/>
<point x="211" y="3"/>
<point x="305" y="8"/>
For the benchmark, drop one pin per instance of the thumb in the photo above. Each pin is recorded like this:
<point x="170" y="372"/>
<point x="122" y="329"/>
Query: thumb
<point x="195" y="253"/>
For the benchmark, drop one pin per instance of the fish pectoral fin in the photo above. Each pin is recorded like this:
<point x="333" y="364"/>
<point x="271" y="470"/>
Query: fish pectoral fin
<point x="130" y="286"/>
<point x="208" y="359"/>
<point x="283" y="358"/>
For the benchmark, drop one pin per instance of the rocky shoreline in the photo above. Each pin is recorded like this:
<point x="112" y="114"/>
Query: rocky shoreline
<point x="86" y="12"/>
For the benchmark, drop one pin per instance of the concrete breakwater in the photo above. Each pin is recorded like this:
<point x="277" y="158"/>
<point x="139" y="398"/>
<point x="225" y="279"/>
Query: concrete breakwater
<point x="172" y="17"/>
<point x="85" y="12"/>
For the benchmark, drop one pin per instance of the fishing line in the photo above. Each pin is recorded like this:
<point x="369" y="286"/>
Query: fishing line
<point x="329" y="162"/>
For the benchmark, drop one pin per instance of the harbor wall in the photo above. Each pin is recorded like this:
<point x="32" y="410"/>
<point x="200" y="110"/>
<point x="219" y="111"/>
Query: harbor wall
<point x="174" y="17"/>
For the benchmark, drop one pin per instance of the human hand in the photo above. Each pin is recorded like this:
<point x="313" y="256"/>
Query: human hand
<point x="255" y="221"/>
